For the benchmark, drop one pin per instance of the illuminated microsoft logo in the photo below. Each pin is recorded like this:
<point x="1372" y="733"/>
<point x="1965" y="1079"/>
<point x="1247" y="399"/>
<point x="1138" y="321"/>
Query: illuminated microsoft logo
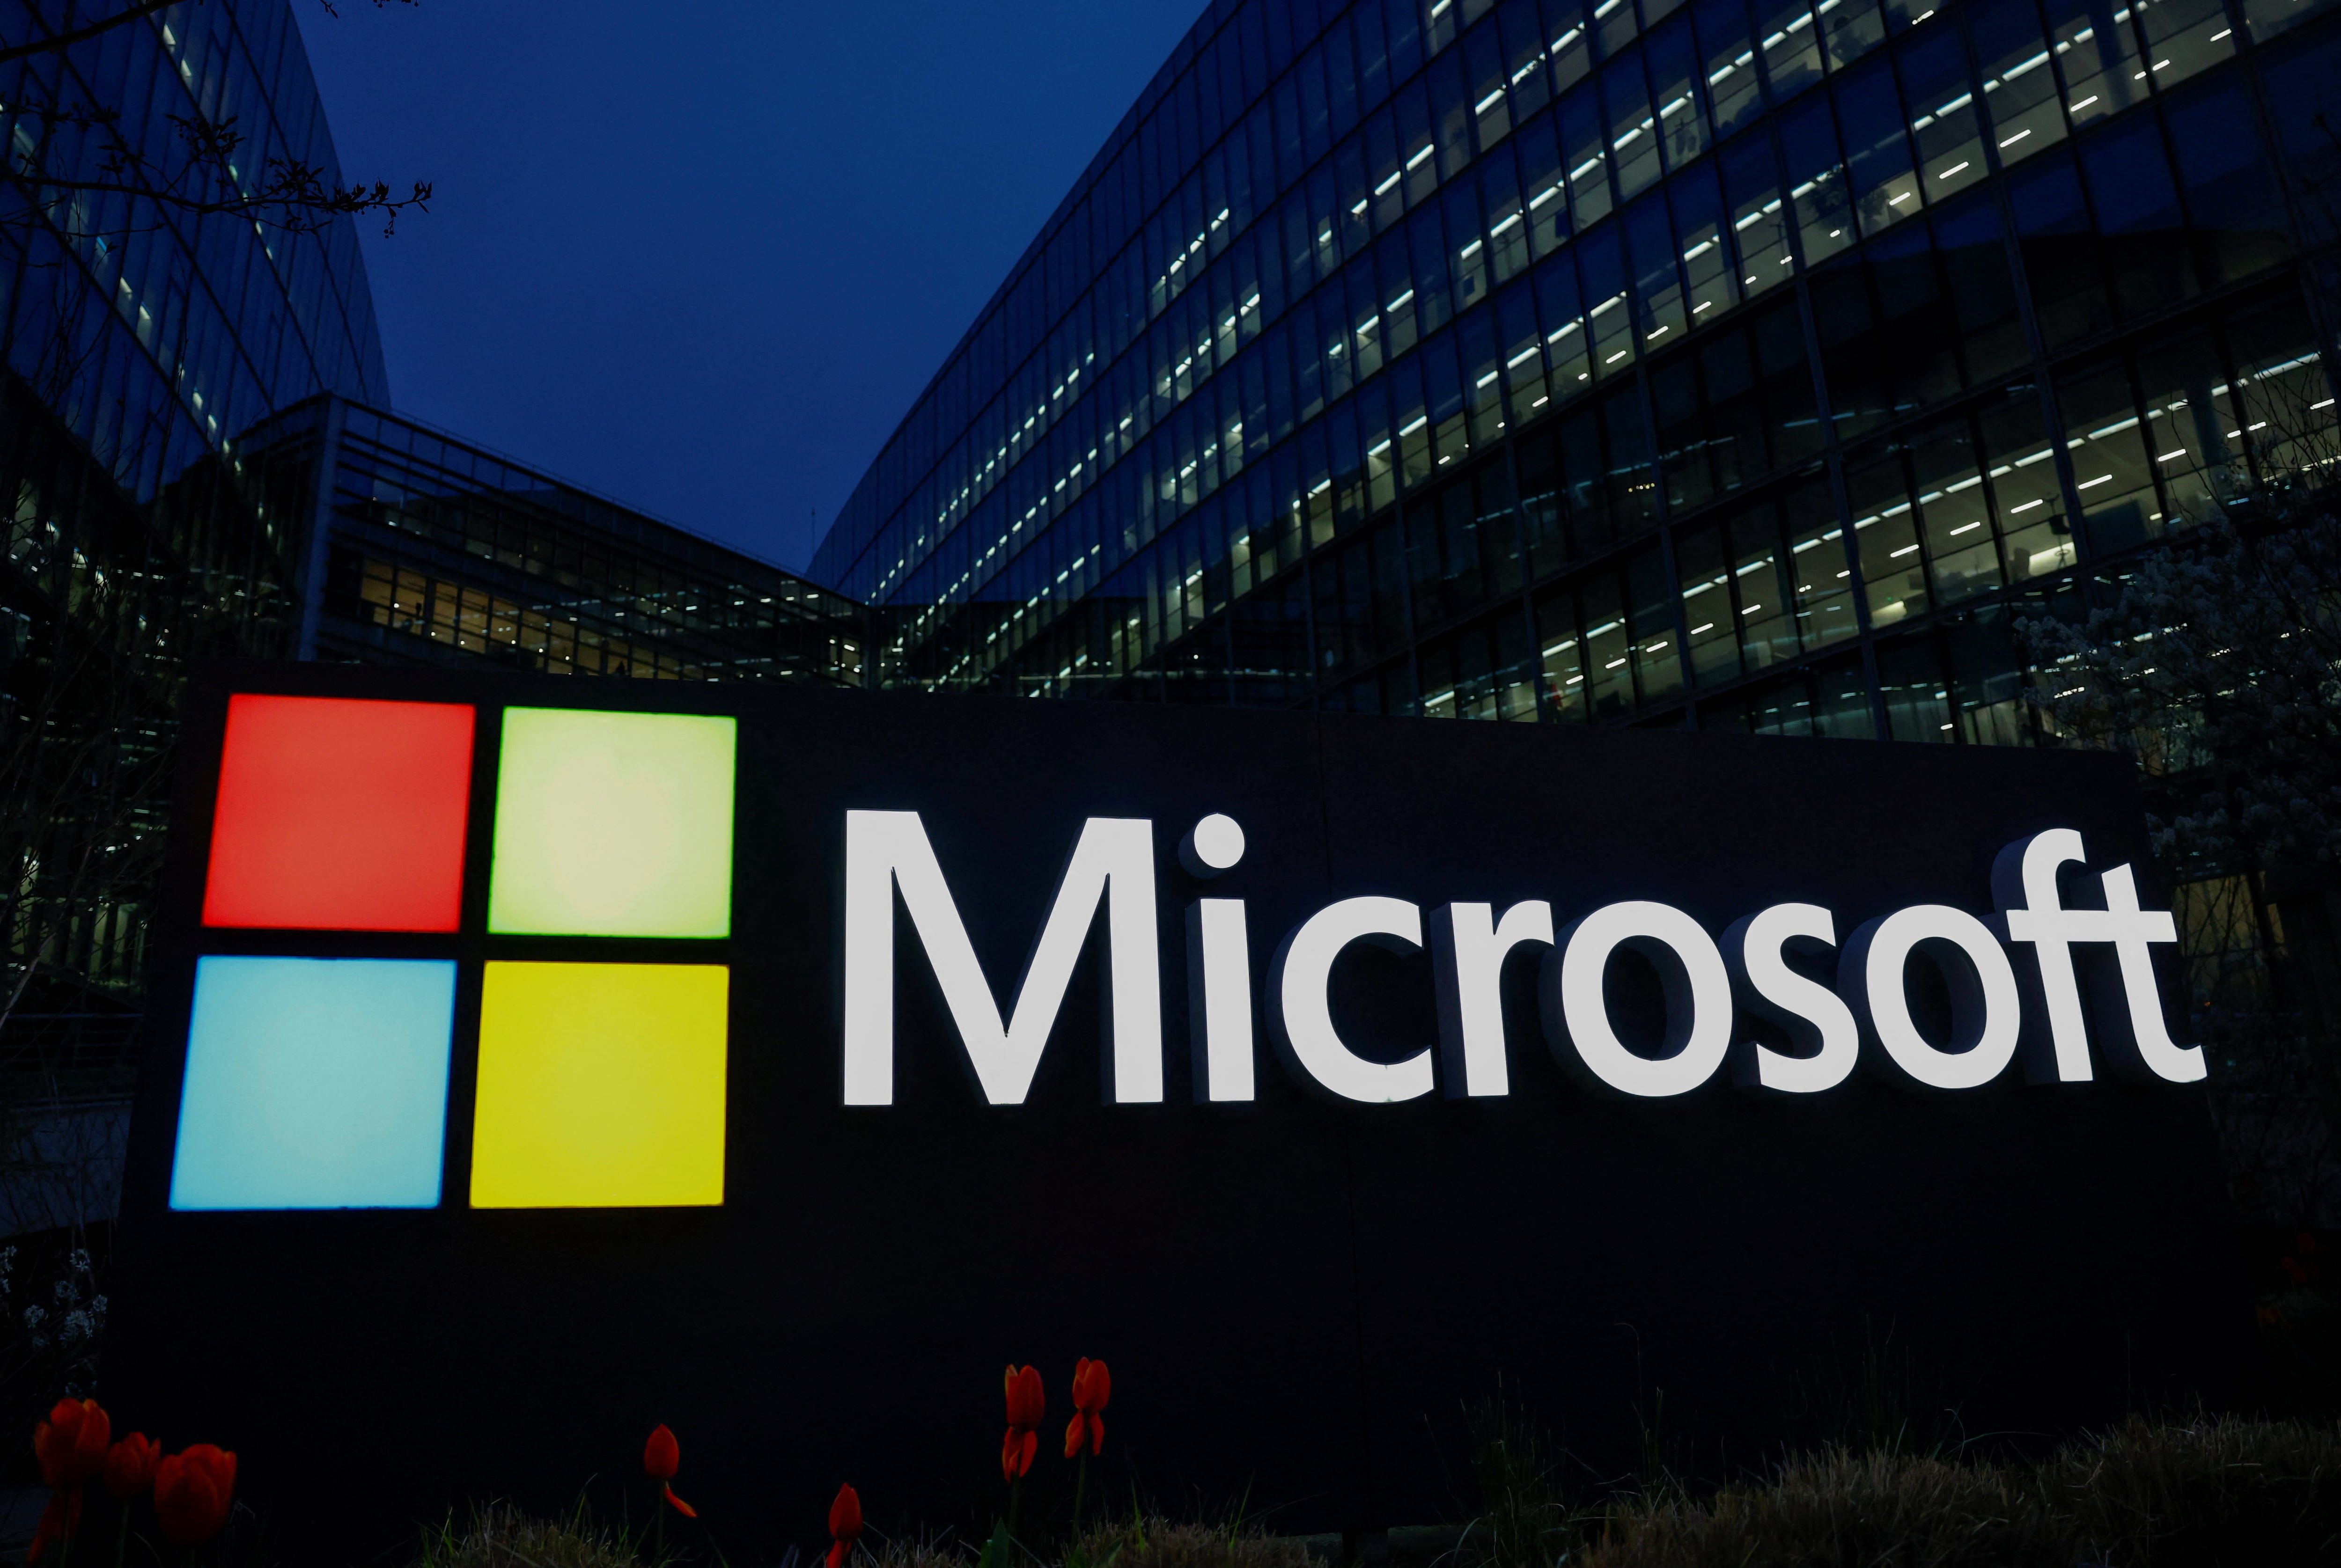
<point x="320" y="1047"/>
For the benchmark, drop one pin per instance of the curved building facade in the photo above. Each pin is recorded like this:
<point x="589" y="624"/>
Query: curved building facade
<point x="183" y="328"/>
<point x="1730" y="363"/>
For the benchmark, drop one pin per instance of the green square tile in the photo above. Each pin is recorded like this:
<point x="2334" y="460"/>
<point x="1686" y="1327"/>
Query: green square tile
<point x="612" y="824"/>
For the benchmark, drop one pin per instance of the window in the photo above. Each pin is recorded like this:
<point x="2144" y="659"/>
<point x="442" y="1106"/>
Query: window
<point x="2037" y="537"/>
<point x="2187" y="424"/>
<point x="2231" y="188"/>
<point x="1566" y="344"/>
<point x="2019" y="82"/>
<point x="2069" y="300"/>
<point x="1674" y="82"/>
<point x="1759" y="229"/>
<point x="1728" y="63"/>
<point x="1586" y="153"/>
<point x="1917" y="699"/>
<point x="1483" y="672"/>
<point x="1818" y="572"/>
<point x="1945" y="122"/>
<point x="1792" y="56"/>
<point x="2183" y="36"/>
<point x="1485" y="82"/>
<point x="1507" y="229"/>
<point x="1657" y="284"/>
<point x="1569" y="42"/>
<point x="2130" y="187"/>
<point x="1817" y="180"/>
<point x="1982" y="295"/>
<point x="1524" y="56"/>
<point x="1735" y="410"/>
<point x="1737" y="606"/>
<point x="2096" y="57"/>
<point x="1713" y="285"/>
<point x="1608" y="321"/>
<point x="1858" y="357"/>
<point x="1884" y="186"/>
<point x="1830" y="700"/>
<point x="2269" y="17"/>
<point x="1418" y="149"/>
<point x="1885" y="535"/>
<point x="1954" y="512"/>
<point x="2304" y="96"/>
<point x="1544" y="187"/>
<point x="1606" y="642"/>
<point x="2283" y="403"/>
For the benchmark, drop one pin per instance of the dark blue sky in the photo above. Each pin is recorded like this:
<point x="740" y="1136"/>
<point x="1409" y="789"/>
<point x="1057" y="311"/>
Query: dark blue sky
<point x="700" y="254"/>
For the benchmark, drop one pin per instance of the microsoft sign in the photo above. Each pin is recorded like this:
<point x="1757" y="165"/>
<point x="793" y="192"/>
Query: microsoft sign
<point x="498" y="1018"/>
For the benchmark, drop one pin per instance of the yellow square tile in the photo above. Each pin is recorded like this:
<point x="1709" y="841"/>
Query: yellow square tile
<point x="600" y="1086"/>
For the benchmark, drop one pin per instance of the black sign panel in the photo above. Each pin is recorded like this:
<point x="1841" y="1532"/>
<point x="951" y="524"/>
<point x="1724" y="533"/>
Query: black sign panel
<point x="441" y="1215"/>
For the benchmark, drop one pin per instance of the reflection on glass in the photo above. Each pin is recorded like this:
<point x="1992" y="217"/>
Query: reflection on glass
<point x="2019" y="86"/>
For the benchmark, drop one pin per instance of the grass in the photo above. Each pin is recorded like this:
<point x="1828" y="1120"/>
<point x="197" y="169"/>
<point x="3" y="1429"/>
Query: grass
<point x="2205" y="1492"/>
<point x="498" y="1535"/>
<point x="1157" y="1542"/>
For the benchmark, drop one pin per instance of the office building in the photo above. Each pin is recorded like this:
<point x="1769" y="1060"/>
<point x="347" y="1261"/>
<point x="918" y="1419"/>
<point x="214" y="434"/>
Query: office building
<point x="421" y="549"/>
<point x="192" y="464"/>
<point x="1733" y="364"/>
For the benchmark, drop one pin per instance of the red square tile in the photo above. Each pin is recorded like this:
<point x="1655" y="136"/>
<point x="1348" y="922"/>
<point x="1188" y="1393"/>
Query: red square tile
<point x="339" y="815"/>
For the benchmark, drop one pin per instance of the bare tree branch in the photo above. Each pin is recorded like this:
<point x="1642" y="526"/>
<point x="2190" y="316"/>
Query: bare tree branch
<point x="295" y="195"/>
<point x="57" y="41"/>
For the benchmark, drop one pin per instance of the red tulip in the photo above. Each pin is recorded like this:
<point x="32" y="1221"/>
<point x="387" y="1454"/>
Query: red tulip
<point x="1028" y="1406"/>
<point x="662" y="1455"/>
<point x="1092" y="1386"/>
<point x="193" y="1492"/>
<point x="58" y="1521"/>
<point x="130" y="1466"/>
<point x="844" y="1525"/>
<point x="71" y="1443"/>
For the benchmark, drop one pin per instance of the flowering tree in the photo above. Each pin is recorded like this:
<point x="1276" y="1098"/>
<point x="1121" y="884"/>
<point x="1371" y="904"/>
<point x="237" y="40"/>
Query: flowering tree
<point x="2216" y="661"/>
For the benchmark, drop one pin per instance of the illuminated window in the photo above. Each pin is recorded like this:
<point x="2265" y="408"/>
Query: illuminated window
<point x="339" y="815"/>
<point x="314" y="1083"/>
<point x="612" y="825"/>
<point x="600" y="1086"/>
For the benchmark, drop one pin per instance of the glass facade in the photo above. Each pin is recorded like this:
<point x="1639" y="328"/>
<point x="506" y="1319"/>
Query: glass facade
<point x="421" y="549"/>
<point x="1732" y="363"/>
<point x="138" y="337"/>
<point x="189" y="467"/>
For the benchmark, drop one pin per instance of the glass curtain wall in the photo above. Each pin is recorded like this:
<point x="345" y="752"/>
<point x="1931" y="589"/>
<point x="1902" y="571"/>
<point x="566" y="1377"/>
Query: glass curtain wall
<point x="138" y="338"/>
<point x="431" y="550"/>
<point x="1729" y="362"/>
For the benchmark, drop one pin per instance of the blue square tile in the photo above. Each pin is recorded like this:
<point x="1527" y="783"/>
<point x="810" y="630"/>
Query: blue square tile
<point x="314" y="1083"/>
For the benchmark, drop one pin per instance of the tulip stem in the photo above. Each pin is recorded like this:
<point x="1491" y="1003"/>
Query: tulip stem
<point x="1080" y="1490"/>
<point x="122" y="1535"/>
